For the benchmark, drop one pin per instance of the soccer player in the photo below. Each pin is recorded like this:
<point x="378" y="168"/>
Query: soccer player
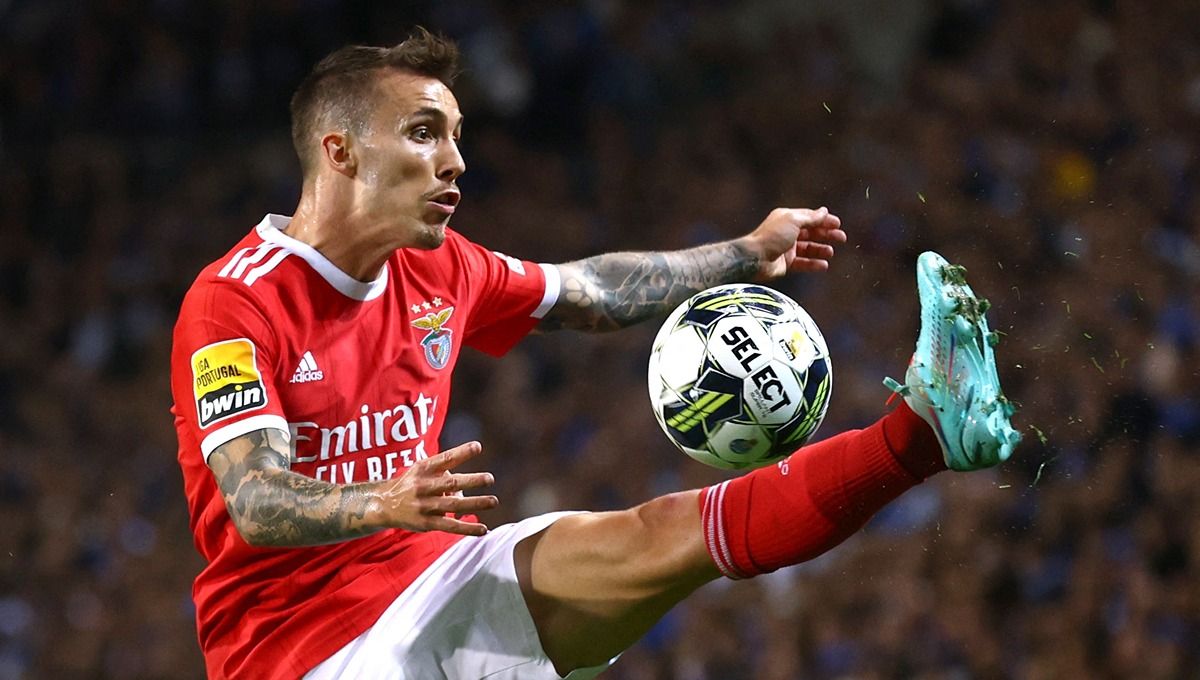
<point x="311" y="377"/>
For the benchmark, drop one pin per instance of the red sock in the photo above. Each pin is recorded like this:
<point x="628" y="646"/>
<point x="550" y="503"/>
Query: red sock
<point x="802" y="506"/>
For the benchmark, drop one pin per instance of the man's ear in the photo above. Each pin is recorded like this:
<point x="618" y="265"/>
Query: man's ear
<point x="335" y="150"/>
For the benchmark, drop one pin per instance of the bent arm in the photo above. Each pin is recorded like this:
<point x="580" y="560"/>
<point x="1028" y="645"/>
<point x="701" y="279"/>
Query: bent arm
<point x="271" y="506"/>
<point x="614" y="290"/>
<point x="607" y="292"/>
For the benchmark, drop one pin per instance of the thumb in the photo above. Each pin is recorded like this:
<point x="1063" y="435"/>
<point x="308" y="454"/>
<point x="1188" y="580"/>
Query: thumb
<point x="805" y="217"/>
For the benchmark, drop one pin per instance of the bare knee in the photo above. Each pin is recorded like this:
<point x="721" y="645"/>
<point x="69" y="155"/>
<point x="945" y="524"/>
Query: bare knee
<point x="625" y="555"/>
<point x="666" y="541"/>
<point x="595" y="582"/>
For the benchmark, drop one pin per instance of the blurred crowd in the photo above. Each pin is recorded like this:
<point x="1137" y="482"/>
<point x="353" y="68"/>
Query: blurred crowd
<point x="1053" y="148"/>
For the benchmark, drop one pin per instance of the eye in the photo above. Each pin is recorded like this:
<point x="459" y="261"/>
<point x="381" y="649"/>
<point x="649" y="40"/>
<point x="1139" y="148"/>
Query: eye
<point x="422" y="133"/>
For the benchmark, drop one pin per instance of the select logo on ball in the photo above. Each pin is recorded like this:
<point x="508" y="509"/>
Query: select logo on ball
<point x="769" y="390"/>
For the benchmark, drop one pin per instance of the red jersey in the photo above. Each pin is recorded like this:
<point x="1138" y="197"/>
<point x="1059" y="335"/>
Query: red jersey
<point x="273" y="335"/>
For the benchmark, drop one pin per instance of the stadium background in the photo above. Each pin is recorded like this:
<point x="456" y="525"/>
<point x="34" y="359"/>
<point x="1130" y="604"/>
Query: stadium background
<point x="1051" y="147"/>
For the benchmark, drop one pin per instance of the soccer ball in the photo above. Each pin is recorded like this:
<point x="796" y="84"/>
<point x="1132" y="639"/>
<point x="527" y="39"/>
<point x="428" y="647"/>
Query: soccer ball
<point x="739" y="376"/>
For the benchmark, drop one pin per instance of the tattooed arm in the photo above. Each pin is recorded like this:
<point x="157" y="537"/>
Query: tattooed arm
<point x="271" y="506"/>
<point x="611" y="291"/>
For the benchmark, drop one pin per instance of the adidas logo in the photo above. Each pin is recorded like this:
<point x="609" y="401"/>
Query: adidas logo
<point x="307" y="371"/>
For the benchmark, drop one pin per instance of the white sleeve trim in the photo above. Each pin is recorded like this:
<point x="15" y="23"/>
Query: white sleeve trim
<point x="241" y="427"/>
<point x="553" y="286"/>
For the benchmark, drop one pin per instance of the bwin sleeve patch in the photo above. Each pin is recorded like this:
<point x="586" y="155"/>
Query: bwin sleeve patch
<point x="226" y="380"/>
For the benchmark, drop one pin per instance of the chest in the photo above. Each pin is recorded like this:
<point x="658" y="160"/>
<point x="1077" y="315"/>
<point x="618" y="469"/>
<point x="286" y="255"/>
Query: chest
<point x="364" y="385"/>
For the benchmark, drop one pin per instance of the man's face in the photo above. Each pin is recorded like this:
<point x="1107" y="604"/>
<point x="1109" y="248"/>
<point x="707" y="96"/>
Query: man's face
<point x="408" y="160"/>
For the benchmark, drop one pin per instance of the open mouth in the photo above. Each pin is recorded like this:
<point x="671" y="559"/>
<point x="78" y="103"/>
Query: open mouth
<point x="446" y="200"/>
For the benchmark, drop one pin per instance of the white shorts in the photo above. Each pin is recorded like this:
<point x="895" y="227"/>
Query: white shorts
<point x="463" y="618"/>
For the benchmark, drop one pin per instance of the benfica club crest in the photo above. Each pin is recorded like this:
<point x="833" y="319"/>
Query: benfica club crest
<point x="437" y="342"/>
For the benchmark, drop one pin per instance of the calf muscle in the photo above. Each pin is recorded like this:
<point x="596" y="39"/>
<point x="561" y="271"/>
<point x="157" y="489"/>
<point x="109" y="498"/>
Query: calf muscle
<point x="595" y="583"/>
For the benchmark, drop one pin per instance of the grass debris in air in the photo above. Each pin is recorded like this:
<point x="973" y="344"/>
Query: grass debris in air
<point x="1038" y="477"/>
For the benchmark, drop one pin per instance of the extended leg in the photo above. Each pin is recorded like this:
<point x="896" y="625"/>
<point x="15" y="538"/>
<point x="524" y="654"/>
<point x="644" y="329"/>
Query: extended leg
<point x="595" y="583"/>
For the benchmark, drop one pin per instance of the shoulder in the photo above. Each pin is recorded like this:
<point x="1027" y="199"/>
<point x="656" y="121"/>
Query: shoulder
<point x="248" y="262"/>
<point x="255" y="263"/>
<point x="236" y="285"/>
<point x="474" y="256"/>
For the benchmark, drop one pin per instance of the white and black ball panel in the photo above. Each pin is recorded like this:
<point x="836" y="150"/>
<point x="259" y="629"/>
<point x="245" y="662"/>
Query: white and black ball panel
<point x="739" y="376"/>
<point x="681" y="356"/>
<point x="741" y="444"/>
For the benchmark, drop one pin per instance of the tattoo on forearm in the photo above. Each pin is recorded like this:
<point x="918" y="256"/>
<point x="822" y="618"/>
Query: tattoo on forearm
<point x="611" y="291"/>
<point x="273" y="506"/>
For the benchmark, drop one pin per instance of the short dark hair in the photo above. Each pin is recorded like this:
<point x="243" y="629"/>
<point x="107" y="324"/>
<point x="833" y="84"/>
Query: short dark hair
<point x="339" y="89"/>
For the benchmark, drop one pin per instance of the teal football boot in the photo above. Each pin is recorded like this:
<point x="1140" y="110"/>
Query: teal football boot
<point x="951" y="381"/>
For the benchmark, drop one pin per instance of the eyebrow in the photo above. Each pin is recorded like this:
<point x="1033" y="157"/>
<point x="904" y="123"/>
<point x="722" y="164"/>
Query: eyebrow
<point x="433" y="112"/>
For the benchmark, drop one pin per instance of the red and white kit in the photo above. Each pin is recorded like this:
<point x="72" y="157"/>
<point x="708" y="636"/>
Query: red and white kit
<point x="273" y="335"/>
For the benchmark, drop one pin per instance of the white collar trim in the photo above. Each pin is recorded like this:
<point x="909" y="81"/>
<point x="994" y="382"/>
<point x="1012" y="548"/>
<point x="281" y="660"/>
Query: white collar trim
<point x="271" y="230"/>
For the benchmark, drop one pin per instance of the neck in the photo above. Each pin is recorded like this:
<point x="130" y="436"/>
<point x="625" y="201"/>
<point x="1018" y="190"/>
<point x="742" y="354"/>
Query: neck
<point x="339" y="233"/>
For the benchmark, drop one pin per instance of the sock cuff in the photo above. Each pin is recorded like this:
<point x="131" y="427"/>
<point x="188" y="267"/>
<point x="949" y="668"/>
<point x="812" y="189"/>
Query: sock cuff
<point x="712" y="520"/>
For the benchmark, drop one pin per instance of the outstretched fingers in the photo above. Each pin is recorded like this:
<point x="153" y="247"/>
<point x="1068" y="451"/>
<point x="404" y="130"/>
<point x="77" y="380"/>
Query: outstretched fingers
<point x="814" y="249"/>
<point x="452" y="457"/>
<point x="438" y="512"/>
<point x="458" y="504"/>
<point x="818" y="231"/>
<point x="430" y="494"/>
<point x="826" y="230"/>
<point x="822" y="235"/>
<point x="450" y="483"/>
<point x="452" y="525"/>
<point x="813" y="220"/>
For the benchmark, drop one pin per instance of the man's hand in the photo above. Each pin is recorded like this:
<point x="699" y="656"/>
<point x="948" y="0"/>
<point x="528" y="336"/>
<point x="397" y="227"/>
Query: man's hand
<point x="794" y="240"/>
<point x="420" y="499"/>
<point x="271" y="506"/>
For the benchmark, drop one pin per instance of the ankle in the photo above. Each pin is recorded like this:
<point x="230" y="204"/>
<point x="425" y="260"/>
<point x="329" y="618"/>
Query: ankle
<point x="913" y="443"/>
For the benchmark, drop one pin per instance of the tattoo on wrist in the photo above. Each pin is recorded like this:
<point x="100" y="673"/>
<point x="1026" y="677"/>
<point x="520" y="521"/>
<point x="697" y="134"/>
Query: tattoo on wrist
<point x="611" y="291"/>
<point x="273" y="506"/>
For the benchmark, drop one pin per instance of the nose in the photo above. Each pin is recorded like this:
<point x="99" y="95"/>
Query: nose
<point x="450" y="162"/>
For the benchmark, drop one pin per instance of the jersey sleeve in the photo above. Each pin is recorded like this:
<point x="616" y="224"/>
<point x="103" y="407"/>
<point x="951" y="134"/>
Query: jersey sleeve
<point x="509" y="296"/>
<point x="223" y="361"/>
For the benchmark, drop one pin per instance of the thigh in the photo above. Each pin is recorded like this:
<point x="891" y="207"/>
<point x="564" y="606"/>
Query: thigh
<point x="464" y="618"/>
